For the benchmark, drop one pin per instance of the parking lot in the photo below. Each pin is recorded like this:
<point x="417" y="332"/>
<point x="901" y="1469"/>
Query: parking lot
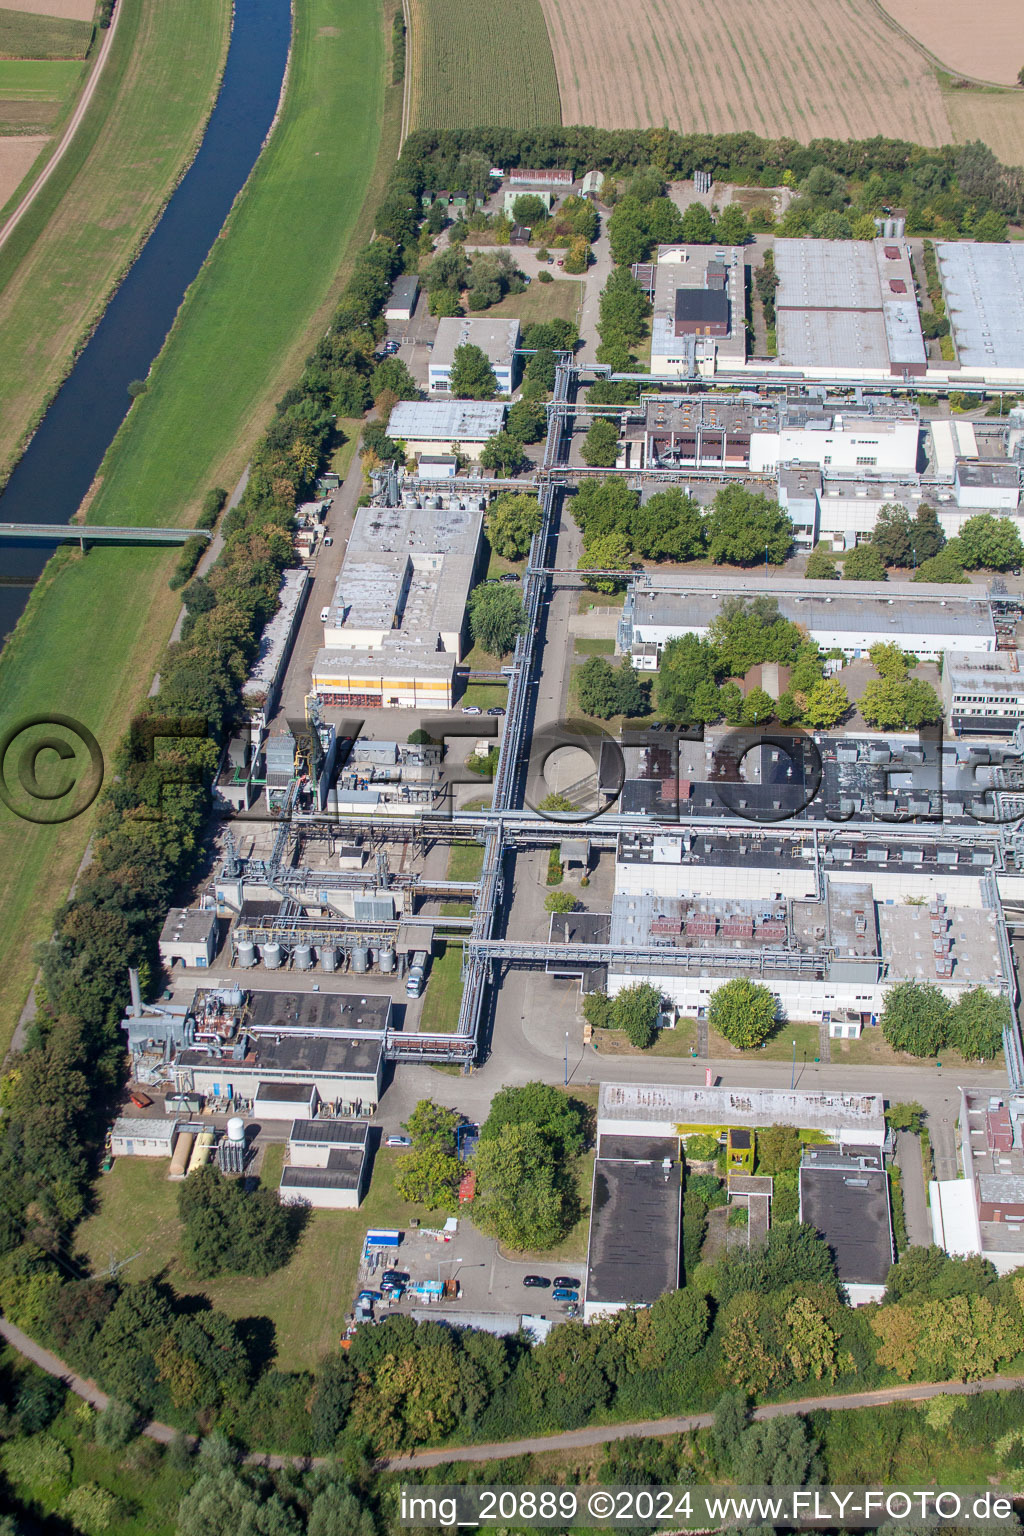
<point x="488" y="1281"/>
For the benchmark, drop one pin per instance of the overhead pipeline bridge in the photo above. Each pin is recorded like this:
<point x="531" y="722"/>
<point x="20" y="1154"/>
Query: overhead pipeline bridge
<point x="84" y="534"/>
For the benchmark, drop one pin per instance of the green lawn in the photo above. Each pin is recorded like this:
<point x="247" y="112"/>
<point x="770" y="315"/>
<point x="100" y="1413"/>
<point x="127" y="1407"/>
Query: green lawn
<point x="239" y="339"/>
<point x="443" y="992"/>
<point x="24" y="35"/>
<point x="778" y="1048"/>
<point x="38" y="79"/>
<point x="67" y="254"/>
<point x="465" y="861"/>
<point x="484" y="695"/>
<point x="306" y="1300"/>
<point x="560" y="300"/>
<point x="589" y="647"/>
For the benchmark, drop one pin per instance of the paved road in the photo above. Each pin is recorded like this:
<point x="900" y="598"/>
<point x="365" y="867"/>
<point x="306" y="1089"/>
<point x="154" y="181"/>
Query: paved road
<point x="915" y="1202"/>
<point x="69" y="133"/>
<point x="570" y="1439"/>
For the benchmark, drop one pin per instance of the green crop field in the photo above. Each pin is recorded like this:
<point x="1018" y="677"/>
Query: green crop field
<point x="67" y="254"/>
<point x="482" y="63"/>
<point x="38" y="79"/>
<point x="92" y="634"/>
<point x="24" y="35"/>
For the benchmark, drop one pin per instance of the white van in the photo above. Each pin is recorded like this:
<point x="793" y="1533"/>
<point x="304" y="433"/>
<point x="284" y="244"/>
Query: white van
<point x="325" y="614"/>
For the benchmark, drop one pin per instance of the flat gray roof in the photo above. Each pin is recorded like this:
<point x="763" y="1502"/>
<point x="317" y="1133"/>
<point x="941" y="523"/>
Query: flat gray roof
<point x="404" y="288"/>
<point x="999" y="672"/>
<point x="149" y="1130"/>
<point x="633" y="1255"/>
<point x="849" y="1205"/>
<point x="340" y="1133"/>
<point x="446" y="420"/>
<point x="846" y="304"/>
<point x="888" y="617"/>
<point x="344" y="1171"/>
<point x="188" y="925"/>
<point x="655" y="1103"/>
<point x="984" y="290"/>
<point x="317" y="1010"/>
<point x="497" y="339"/>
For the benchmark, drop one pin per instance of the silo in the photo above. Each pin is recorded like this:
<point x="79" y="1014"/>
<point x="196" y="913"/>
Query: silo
<point x="386" y="960"/>
<point x="236" y="1129"/>
<point x="900" y="225"/>
<point x="890" y="228"/>
<point x="328" y="958"/>
<point x="272" y="955"/>
<point x="202" y="1151"/>
<point x="302" y="957"/>
<point x="245" y="953"/>
<point x="360" y="958"/>
<point x="182" y="1154"/>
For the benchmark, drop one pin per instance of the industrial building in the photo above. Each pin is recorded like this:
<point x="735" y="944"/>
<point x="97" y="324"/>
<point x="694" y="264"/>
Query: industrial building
<point x="845" y="1195"/>
<point x="983" y="1212"/>
<point x="829" y="959"/>
<point x="189" y="936"/>
<point x="401" y="304"/>
<point x="327" y="1165"/>
<point x="848" y="308"/>
<point x="672" y="1109"/>
<point x="546" y="196"/>
<point x="983" y="288"/>
<point x="633" y="1252"/>
<point x="841" y="510"/>
<point x="699" y="320"/>
<point x="560" y="177"/>
<point x="136" y="1136"/>
<point x="709" y="431"/>
<point x="983" y="694"/>
<point x="439" y="426"/>
<point x="497" y="340"/>
<point x="262" y="687"/>
<point x="925" y="619"/>
<point x="395" y="627"/>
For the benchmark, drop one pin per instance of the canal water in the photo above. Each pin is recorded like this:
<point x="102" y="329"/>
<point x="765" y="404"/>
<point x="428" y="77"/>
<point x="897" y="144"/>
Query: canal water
<point x="57" y="468"/>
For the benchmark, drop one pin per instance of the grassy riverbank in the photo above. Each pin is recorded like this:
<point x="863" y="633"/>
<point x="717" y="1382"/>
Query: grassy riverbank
<point x="68" y="253"/>
<point x="94" y="629"/>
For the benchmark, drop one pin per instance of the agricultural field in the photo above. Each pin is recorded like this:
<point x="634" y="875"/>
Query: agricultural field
<point x="66" y="10"/>
<point x="997" y="117"/>
<point x="17" y="156"/>
<point x="239" y="339"/>
<point x="987" y="44"/>
<point x="476" y="64"/>
<point x="35" y="92"/>
<point x="813" y="68"/>
<point x="27" y="36"/>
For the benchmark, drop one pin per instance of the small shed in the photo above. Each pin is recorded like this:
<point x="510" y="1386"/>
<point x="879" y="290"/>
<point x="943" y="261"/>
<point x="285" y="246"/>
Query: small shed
<point x="460" y="201"/>
<point x="593" y="181"/>
<point x="438" y="466"/>
<point x="135" y="1136"/>
<point x="190" y="937"/>
<point x="574" y="852"/>
<point x="285" y="1101"/>
<point x="402" y="299"/>
<point x="520" y="235"/>
<point x="426" y="198"/>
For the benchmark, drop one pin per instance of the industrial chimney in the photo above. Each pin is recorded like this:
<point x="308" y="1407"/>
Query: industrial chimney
<point x="133" y="982"/>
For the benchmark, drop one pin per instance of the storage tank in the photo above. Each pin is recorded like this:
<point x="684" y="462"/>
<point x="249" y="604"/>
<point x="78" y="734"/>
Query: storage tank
<point x="236" y="1129"/>
<point x="272" y="956"/>
<point x="386" y="960"/>
<point x="202" y="1151"/>
<point x="329" y="958"/>
<point x="182" y="1154"/>
<point x="302" y="956"/>
<point x="360" y="958"/>
<point x="234" y="997"/>
<point x="900" y="225"/>
<point x="245" y="953"/>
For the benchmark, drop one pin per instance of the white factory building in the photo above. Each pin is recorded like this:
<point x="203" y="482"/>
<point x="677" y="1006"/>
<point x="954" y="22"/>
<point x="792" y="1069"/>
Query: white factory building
<point x="446" y="426"/>
<point x="497" y="340"/>
<point x="699" y="320"/>
<point x="983" y="693"/>
<point x="327" y="1164"/>
<point x="828" y="958"/>
<point x="395" y="627"/>
<point x="924" y="619"/>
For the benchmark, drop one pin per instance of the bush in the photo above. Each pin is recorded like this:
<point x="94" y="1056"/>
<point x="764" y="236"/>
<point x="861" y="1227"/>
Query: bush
<point x="192" y="551"/>
<point x="213" y="506"/>
<point x="701" y="1148"/>
<point x="544" y="277"/>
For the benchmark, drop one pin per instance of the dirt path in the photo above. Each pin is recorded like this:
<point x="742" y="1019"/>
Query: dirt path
<point x="69" y="133"/>
<point x="913" y="1392"/>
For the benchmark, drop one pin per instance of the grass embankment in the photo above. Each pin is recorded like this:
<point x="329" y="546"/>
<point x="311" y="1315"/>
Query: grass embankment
<point x="94" y="628"/>
<point x="443" y="994"/>
<point x="306" y="1300"/>
<point x="68" y="253"/>
<point x="475" y="64"/>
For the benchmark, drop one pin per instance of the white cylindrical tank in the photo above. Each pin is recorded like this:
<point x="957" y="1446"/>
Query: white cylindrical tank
<point x="272" y="955"/>
<point x="360" y="958"/>
<point x="245" y="954"/>
<point x="236" y="1129"/>
<point x="328" y="958"/>
<point x="202" y="1151"/>
<point x="302" y="957"/>
<point x="386" y="960"/>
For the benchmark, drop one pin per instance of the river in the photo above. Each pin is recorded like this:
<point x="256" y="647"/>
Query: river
<point x="57" y="468"/>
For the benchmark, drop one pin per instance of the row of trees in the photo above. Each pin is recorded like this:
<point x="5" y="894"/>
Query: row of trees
<point x="984" y="541"/>
<point x="741" y="527"/>
<point x="919" y="1019"/>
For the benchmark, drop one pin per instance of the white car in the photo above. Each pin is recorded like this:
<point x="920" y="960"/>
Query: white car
<point x="471" y="709"/>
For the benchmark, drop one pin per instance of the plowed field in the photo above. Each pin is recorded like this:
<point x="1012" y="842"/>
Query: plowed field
<point x="803" y="68"/>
